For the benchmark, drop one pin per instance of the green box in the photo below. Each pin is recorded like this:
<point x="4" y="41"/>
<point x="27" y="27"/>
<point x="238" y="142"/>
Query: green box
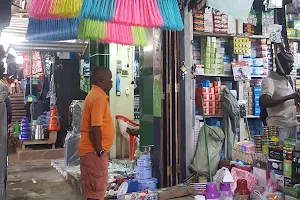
<point x="291" y="32"/>
<point x="291" y="192"/>
<point x="206" y="70"/>
<point x="287" y="168"/>
<point x="212" y="71"/>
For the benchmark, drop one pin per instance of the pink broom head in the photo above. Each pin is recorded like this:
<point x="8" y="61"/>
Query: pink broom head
<point x="40" y="9"/>
<point x="144" y="13"/>
<point x="118" y="34"/>
<point x="66" y="8"/>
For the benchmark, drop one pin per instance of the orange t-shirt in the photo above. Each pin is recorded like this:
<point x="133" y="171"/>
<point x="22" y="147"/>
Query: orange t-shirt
<point x="96" y="112"/>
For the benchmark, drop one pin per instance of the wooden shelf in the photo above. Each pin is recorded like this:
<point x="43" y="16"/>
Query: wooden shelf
<point x="258" y="76"/>
<point x="294" y="38"/>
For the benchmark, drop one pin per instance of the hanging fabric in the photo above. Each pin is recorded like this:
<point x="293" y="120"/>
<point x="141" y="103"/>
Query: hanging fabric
<point x="239" y="11"/>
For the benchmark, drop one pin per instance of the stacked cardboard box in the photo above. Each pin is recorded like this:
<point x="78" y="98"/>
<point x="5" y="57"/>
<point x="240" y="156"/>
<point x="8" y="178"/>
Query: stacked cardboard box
<point x="256" y="95"/>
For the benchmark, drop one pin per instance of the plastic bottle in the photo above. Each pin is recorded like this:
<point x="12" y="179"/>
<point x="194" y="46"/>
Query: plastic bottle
<point x="212" y="192"/>
<point x="226" y="193"/>
<point x="272" y="183"/>
<point x="242" y="192"/>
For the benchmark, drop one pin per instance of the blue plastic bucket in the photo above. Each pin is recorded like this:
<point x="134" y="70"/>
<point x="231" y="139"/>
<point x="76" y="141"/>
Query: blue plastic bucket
<point x="26" y="136"/>
<point x="143" y="163"/>
<point x="148" y="184"/>
<point x="143" y="173"/>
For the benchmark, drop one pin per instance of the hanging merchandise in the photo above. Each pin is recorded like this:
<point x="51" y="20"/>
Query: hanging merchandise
<point x="275" y="34"/>
<point x="275" y="4"/>
<point x="52" y="29"/>
<point x="30" y="98"/>
<point x="40" y="9"/>
<point x="140" y="36"/>
<point x="239" y="11"/>
<point x="103" y="10"/>
<point x="37" y="66"/>
<point x="170" y="13"/>
<point x="296" y="4"/>
<point x="113" y="34"/>
<point x="66" y="8"/>
<point x="241" y="46"/>
<point x="138" y="13"/>
<point x="91" y="29"/>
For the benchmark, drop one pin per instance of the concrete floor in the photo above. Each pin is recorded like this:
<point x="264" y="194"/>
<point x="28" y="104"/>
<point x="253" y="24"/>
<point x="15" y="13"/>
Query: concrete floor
<point x="37" y="180"/>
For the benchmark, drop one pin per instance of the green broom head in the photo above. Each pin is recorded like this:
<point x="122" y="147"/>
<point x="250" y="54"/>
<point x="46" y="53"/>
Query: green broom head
<point x="92" y="29"/>
<point x="140" y="36"/>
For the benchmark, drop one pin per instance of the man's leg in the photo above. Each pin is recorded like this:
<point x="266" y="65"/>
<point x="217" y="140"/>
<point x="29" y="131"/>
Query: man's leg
<point x="94" y="176"/>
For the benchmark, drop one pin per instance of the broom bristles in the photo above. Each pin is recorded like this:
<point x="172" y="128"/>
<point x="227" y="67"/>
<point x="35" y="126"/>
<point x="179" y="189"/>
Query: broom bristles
<point x="40" y="9"/>
<point x="102" y="10"/>
<point x="138" y="13"/>
<point x="114" y="36"/>
<point x="66" y="8"/>
<point x="170" y="13"/>
<point x="92" y="29"/>
<point x="52" y="29"/>
<point x="140" y="36"/>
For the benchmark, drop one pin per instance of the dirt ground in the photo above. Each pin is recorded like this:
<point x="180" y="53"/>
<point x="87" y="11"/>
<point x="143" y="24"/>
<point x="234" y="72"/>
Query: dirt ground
<point x="37" y="180"/>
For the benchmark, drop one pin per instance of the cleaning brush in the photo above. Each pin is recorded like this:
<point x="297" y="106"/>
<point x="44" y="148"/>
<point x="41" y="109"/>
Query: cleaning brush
<point x="52" y="29"/>
<point x="119" y="34"/>
<point x="140" y="36"/>
<point x="170" y="12"/>
<point x="40" y="9"/>
<point x="102" y="10"/>
<point x="143" y="13"/>
<point x="66" y="8"/>
<point x="92" y="29"/>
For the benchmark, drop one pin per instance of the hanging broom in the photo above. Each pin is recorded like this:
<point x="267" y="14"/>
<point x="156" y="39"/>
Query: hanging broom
<point x="91" y="29"/>
<point x="66" y="8"/>
<point x="114" y="36"/>
<point x="143" y="13"/>
<point x="52" y="29"/>
<point x="170" y="12"/>
<point x="140" y="36"/>
<point x="40" y="9"/>
<point x="102" y="10"/>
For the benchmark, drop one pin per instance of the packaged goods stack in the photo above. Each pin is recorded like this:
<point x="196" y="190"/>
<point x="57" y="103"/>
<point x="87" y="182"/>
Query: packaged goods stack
<point x="256" y="95"/>
<point x="70" y="155"/>
<point x="208" y="20"/>
<point x="198" y="22"/>
<point x="220" y="22"/>
<point x="211" y="94"/>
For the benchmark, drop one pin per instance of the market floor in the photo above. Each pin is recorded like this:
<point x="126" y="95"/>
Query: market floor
<point x="37" y="180"/>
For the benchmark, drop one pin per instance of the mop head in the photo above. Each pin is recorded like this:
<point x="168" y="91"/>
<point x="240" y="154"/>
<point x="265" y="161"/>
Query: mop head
<point x="114" y="36"/>
<point x="52" y="29"/>
<point x="140" y="36"/>
<point x="91" y="29"/>
<point x="170" y="12"/>
<point x="102" y="10"/>
<point x="66" y="8"/>
<point x="138" y="13"/>
<point x="40" y="9"/>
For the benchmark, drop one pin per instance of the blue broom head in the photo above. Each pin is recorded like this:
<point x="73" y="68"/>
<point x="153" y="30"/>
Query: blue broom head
<point x="170" y="13"/>
<point x="52" y="29"/>
<point x="103" y="10"/>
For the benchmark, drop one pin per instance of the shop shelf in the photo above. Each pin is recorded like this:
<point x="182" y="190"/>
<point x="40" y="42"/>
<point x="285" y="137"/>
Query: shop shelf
<point x="252" y="117"/>
<point x="202" y="34"/>
<point x="258" y="76"/>
<point x="215" y="75"/>
<point x="294" y="38"/>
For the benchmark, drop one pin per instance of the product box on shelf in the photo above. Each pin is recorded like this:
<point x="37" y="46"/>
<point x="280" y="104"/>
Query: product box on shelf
<point x="262" y="175"/>
<point x="276" y="154"/>
<point x="287" y="168"/>
<point x="288" y="182"/>
<point x="275" y="164"/>
<point x="291" y="192"/>
<point x="296" y="164"/>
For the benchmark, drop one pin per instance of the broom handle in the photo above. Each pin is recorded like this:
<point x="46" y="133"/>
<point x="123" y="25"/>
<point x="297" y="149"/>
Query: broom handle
<point x="30" y="61"/>
<point x="206" y="140"/>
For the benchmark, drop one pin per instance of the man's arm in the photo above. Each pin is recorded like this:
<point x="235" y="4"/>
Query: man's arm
<point x="96" y="138"/>
<point x="266" y="101"/>
<point x="98" y="108"/>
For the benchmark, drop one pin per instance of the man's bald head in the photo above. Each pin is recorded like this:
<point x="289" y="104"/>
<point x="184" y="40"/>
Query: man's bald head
<point x="101" y="76"/>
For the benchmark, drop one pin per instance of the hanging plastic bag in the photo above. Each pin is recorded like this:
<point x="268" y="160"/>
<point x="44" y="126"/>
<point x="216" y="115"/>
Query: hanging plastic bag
<point x="275" y="4"/>
<point x="275" y="33"/>
<point x="296" y="4"/>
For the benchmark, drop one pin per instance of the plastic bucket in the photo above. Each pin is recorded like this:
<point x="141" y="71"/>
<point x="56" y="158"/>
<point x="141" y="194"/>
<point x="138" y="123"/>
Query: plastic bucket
<point x="143" y="173"/>
<point x="25" y="136"/>
<point x="148" y="184"/>
<point x="143" y="163"/>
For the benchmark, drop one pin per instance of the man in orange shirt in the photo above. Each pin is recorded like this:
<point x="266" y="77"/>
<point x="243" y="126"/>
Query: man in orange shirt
<point x="97" y="136"/>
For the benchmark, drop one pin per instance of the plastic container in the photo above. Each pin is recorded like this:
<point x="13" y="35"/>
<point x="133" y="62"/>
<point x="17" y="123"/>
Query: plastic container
<point x="25" y="136"/>
<point x="226" y="193"/>
<point x="212" y="192"/>
<point x="242" y="192"/>
<point x="148" y="184"/>
<point x="143" y="163"/>
<point x="143" y="173"/>
<point x="199" y="197"/>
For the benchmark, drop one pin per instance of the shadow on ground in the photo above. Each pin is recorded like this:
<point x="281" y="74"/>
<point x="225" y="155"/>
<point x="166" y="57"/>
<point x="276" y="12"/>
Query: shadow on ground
<point x="37" y="180"/>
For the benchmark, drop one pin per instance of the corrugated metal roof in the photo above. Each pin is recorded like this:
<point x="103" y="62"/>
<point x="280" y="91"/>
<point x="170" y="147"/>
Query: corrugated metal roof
<point x="17" y="28"/>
